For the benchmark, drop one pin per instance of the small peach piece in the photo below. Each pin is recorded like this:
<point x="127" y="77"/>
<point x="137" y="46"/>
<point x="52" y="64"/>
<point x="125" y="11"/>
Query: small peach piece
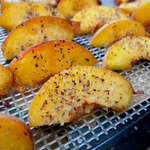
<point x="129" y="7"/>
<point x="18" y="13"/>
<point x="70" y="7"/>
<point x="15" y="134"/>
<point x="6" y="80"/>
<point x="118" y="2"/>
<point x="142" y="14"/>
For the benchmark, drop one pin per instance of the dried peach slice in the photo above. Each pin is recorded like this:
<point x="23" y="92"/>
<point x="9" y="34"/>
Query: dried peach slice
<point x="94" y="17"/>
<point x="129" y="7"/>
<point x="37" y="63"/>
<point x="121" y="55"/>
<point x="18" y="13"/>
<point x="36" y="30"/>
<point x="6" y="80"/>
<point x="74" y="6"/>
<point x="7" y="3"/>
<point x="15" y="134"/>
<point x="142" y="14"/>
<point x="114" y="31"/>
<point x="76" y="91"/>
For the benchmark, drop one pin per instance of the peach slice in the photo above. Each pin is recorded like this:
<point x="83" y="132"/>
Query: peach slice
<point x="119" y="2"/>
<point x="37" y="30"/>
<point x="18" y="13"/>
<point x="37" y="63"/>
<point x="142" y="14"/>
<point x="6" y="80"/>
<point x="7" y="3"/>
<point x="94" y="17"/>
<point x="15" y="134"/>
<point x="74" y="6"/>
<point x="76" y="91"/>
<point x="129" y="7"/>
<point x="114" y="31"/>
<point x="122" y="54"/>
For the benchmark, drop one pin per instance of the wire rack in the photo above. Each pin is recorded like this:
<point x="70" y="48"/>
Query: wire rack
<point x="90" y="128"/>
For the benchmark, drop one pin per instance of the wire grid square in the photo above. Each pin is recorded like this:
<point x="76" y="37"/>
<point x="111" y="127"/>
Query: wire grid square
<point x="90" y="128"/>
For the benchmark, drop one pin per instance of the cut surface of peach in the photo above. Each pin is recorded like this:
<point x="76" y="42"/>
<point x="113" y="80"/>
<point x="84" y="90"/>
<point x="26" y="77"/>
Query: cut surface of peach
<point x="7" y="3"/>
<point x="142" y="14"/>
<point x="122" y="54"/>
<point x="6" y="80"/>
<point x="94" y="17"/>
<point x="37" y="30"/>
<point x="15" y="134"/>
<point x="64" y="96"/>
<point x="18" y="13"/>
<point x="70" y="7"/>
<point x="116" y="30"/>
<point x="37" y="63"/>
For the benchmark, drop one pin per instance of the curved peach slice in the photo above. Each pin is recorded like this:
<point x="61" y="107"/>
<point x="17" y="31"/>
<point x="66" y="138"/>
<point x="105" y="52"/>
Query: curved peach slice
<point x="129" y="7"/>
<point x="64" y="96"/>
<point x="114" y="31"/>
<point x="18" y="13"/>
<point x="94" y="17"/>
<point x="142" y="14"/>
<point x="74" y="6"/>
<point x="7" y="3"/>
<point x="6" y="80"/>
<point x="37" y="30"/>
<point x="119" y="2"/>
<point x="124" y="52"/>
<point x="37" y="63"/>
<point x="15" y="134"/>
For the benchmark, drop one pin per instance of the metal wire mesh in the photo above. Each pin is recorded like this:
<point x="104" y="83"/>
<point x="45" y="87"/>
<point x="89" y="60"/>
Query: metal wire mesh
<point x="89" y="128"/>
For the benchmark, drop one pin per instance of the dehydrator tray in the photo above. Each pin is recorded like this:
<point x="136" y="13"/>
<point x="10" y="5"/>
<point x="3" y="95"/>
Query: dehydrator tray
<point x="101" y="129"/>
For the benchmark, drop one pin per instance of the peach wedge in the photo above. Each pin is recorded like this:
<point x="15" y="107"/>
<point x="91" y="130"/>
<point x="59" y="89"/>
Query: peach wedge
<point x="122" y="54"/>
<point x="6" y="80"/>
<point x="7" y="3"/>
<point x="94" y="17"/>
<point x="18" y="13"/>
<point x="74" y="6"/>
<point x="36" y="30"/>
<point x="15" y="134"/>
<point x="129" y="7"/>
<point x="37" y="63"/>
<point x="142" y="14"/>
<point x="75" y="91"/>
<point x="119" y="2"/>
<point x="114" y="31"/>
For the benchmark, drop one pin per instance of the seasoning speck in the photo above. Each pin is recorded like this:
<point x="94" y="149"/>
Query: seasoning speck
<point x="16" y="56"/>
<point x="63" y="114"/>
<point x="87" y="59"/>
<point x="36" y="65"/>
<point x="75" y="109"/>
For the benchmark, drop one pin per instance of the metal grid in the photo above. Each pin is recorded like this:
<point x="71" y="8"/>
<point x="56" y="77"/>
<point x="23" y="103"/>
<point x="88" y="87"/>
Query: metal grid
<point x="91" y="127"/>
